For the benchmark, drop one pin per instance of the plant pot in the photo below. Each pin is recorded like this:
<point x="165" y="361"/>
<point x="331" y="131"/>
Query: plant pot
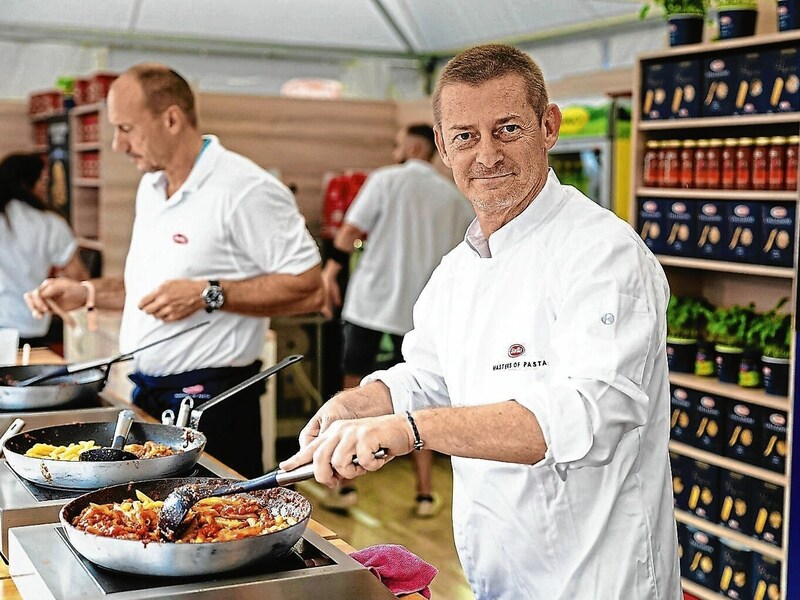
<point x="681" y="353"/>
<point x="749" y="371"/>
<point x="704" y="364"/>
<point x="685" y="29"/>
<point x="736" y="22"/>
<point x="728" y="359"/>
<point x="776" y="375"/>
<point x="788" y="15"/>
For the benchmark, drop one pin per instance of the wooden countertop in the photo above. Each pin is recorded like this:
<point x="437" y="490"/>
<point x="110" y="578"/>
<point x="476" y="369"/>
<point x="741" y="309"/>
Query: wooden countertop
<point x="43" y="356"/>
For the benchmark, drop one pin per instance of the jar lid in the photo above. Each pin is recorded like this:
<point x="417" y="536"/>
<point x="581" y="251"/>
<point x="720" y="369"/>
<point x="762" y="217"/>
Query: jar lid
<point x="745" y="141"/>
<point x="762" y="141"/>
<point x="689" y="143"/>
<point x="777" y="139"/>
<point x="652" y="144"/>
<point x="702" y="143"/>
<point x="732" y="141"/>
<point x="673" y="143"/>
<point x="793" y="139"/>
<point x="715" y="142"/>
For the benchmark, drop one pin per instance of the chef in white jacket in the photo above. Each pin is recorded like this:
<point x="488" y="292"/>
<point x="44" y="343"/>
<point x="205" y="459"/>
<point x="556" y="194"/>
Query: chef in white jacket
<point x="537" y="361"/>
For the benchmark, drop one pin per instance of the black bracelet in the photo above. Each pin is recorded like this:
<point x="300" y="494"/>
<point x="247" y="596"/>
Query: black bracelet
<point x="339" y="256"/>
<point x="418" y="443"/>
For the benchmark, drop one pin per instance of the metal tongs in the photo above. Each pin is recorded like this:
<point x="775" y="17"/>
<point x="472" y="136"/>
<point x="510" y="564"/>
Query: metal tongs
<point x="189" y="416"/>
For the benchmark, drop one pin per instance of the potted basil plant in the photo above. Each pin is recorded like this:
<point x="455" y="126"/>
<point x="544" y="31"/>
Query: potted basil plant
<point x="772" y="333"/>
<point x="686" y="318"/>
<point x="684" y="17"/>
<point x="736" y="18"/>
<point x="727" y="329"/>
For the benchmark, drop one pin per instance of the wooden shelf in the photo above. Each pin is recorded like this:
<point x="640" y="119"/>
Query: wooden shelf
<point x="700" y="591"/>
<point x="86" y="182"/>
<point x="86" y="146"/>
<point x="734" y="536"/>
<point x="725" y="267"/>
<point x="728" y="463"/>
<point x="732" y="195"/>
<point x="730" y="390"/>
<point x="732" y="121"/>
<point x="783" y="37"/>
<point x="87" y="108"/>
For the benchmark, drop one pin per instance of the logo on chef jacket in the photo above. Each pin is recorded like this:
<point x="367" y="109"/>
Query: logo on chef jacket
<point x="193" y="389"/>
<point x="515" y="351"/>
<point x="179" y="238"/>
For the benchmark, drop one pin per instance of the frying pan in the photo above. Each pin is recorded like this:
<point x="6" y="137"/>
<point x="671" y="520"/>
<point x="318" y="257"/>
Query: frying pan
<point x="59" y="391"/>
<point x="79" y="475"/>
<point x="169" y="559"/>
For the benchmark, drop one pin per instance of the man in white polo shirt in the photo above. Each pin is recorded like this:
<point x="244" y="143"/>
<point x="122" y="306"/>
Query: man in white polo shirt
<point x="215" y="237"/>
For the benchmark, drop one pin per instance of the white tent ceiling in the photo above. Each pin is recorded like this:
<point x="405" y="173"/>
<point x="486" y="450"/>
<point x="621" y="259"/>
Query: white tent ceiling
<point x="312" y="28"/>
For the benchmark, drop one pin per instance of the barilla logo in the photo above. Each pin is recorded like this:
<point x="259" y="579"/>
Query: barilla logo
<point x="717" y="65"/>
<point x="194" y="389"/>
<point x="725" y="20"/>
<point x="777" y="419"/>
<point x="700" y="537"/>
<point x="709" y="209"/>
<point x="741" y="410"/>
<point x="679" y="208"/>
<point x="680" y="394"/>
<point x="516" y="350"/>
<point x="742" y="210"/>
<point x="778" y="212"/>
<point x="708" y="402"/>
<point x="179" y="238"/>
<point x="650" y="206"/>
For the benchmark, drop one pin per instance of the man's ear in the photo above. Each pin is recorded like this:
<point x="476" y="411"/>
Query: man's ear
<point x="172" y="116"/>
<point x="551" y="124"/>
<point x="437" y="136"/>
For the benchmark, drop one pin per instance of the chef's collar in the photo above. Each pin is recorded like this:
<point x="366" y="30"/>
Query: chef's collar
<point x="521" y="225"/>
<point x="203" y="165"/>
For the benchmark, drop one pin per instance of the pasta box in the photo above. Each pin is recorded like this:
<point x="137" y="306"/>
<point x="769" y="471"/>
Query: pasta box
<point x="703" y="490"/>
<point x="784" y="80"/>
<point x="777" y="233"/>
<point x="708" y="426"/>
<point x="680" y="228"/>
<point x="772" y="449"/>
<point x="751" y="93"/>
<point x="766" y="577"/>
<point x="684" y="93"/>
<point x="743" y="432"/>
<point x="656" y="83"/>
<point x="682" y="403"/>
<point x="735" y="570"/>
<point x="743" y="231"/>
<point x="651" y="223"/>
<point x="736" y="510"/>
<point x="702" y="557"/>
<point x="680" y="466"/>
<point x="682" y="537"/>
<point x="768" y="512"/>
<point x="719" y="71"/>
<point x="711" y="225"/>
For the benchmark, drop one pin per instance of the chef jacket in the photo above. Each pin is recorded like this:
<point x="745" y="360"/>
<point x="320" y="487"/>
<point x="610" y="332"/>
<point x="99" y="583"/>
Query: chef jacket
<point x="230" y="220"/>
<point x="563" y="311"/>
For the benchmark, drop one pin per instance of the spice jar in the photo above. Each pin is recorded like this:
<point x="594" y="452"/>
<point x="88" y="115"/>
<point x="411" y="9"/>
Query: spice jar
<point x="701" y="164"/>
<point x="792" y="149"/>
<point x="759" y="171"/>
<point x="650" y="168"/>
<point x="744" y="154"/>
<point x="687" y="163"/>
<point x="713" y="160"/>
<point x="776" y="156"/>
<point x="671" y="164"/>
<point x="728" y="164"/>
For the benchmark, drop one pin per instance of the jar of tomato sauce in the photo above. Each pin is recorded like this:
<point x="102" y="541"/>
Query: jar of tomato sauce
<point x="744" y="155"/>
<point x="727" y="178"/>
<point x="688" y="148"/>
<point x="713" y="163"/>
<point x="760" y="160"/>
<point x="792" y="149"/>
<point x="701" y="165"/>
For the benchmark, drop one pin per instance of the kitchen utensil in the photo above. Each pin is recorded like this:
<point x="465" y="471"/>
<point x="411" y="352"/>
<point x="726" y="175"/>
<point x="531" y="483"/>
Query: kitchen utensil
<point x="15" y="427"/>
<point x="101" y="362"/>
<point x="162" y="558"/>
<point x="177" y="504"/>
<point x="116" y="452"/>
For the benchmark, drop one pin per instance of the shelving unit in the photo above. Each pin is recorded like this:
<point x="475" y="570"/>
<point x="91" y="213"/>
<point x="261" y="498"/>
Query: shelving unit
<point x="725" y="283"/>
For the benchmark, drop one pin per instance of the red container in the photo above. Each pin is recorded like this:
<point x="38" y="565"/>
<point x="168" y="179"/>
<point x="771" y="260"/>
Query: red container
<point x="89" y="130"/>
<point x="97" y="88"/>
<point x="79" y="91"/>
<point x="40" y="133"/>
<point x="89" y="165"/>
<point x="44" y="103"/>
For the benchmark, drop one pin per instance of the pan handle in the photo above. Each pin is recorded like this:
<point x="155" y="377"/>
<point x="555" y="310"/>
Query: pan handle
<point x="15" y="427"/>
<point x="194" y="421"/>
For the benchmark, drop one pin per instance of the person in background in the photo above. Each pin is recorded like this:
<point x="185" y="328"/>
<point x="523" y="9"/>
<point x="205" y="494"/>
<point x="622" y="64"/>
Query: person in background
<point x="537" y="361"/>
<point x="215" y="237"/>
<point x="413" y="216"/>
<point x="34" y="241"/>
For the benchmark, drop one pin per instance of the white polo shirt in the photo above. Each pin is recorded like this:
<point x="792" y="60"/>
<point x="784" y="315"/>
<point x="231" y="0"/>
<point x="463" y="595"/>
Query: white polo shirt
<point x="413" y="217"/>
<point x="229" y="220"/>
<point x="31" y="243"/>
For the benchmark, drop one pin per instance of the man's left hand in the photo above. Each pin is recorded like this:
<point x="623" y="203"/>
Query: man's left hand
<point x="174" y="300"/>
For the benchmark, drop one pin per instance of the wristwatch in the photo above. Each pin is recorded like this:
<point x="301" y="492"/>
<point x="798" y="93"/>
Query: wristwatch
<point x="213" y="296"/>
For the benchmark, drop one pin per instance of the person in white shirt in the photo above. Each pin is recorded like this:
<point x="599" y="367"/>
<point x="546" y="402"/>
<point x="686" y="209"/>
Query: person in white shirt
<point x="34" y="241"/>
<point x="410" y="216"/>
<point x="215" y="237"/>
<point x="537" y="361"/>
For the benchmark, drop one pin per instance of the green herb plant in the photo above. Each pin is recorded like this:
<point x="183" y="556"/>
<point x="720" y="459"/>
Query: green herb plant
<point x="772" y="332"/>
<point x="687" y="316"/>
<point x="730" y="326"/>
<point x="677" y="7"/>
<point x="738" y="4"/>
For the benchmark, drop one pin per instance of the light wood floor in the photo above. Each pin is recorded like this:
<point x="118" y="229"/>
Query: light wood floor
<point x="384" y="516"/>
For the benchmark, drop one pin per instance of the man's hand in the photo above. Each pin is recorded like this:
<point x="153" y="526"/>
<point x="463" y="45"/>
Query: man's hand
<point x="333" y="294"/>
<point x="66" y="293"/>
<point x="174" y="300"/>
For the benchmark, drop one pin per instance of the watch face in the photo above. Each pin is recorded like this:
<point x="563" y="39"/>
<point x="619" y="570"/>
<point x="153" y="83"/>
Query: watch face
<point x="213" y="297"/>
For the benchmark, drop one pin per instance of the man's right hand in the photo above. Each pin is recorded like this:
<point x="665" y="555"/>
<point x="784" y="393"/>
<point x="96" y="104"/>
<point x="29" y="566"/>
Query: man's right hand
<point x="66" y="293"/>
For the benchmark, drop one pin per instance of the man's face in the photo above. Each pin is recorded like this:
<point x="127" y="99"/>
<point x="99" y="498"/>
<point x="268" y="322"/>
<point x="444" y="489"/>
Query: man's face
<point x="494" y="143"/>
<point x="137" y="132"/>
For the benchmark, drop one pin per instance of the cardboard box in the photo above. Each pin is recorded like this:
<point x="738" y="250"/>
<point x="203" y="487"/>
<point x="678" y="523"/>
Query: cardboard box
<point x="651" y="223"/>
<point x="777" y="233"/>
<point x="766" y="577"/>
<point x="719" y="88"/>
<point x="772" y="450"/>
<point x="680" y="466"/>
<point x="708" y="425"/>
<point x="704" y="490"/>
<point x="751" y="83"/>
<point x="702" y="557"/>
<point x="684" y="93"/>
<point x="97" y="88"/>
<point x="711" y="226"/>
<point x="768" y="512"/>
<point x="680" y="228"/>
<point x="783" y="92"/>
<point x="682" y="541"/>
<point x="736" y="504"/>
<point x="682" y="402"/>
<point x="743" y="432"/>
<point x="735" y="570"/>
<point x="656" y="84"/>
<point x="743" y="240"/>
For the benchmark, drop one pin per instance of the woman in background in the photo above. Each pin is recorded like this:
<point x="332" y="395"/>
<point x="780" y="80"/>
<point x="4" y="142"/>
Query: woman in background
<point x="34" y="241"/>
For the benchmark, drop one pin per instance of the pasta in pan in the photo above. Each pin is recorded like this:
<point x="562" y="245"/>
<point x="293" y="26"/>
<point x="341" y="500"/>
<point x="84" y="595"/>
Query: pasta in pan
<point x="70" y="452"/>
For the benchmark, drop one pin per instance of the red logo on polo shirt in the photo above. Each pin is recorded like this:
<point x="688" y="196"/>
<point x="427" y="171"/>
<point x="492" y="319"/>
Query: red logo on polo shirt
<point x="516" y="350"/>
<point x="179" y="238"/>
<point x="194" y="389"/>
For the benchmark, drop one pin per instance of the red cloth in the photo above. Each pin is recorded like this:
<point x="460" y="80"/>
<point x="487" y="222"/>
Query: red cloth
<point x="399" y="569"/>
